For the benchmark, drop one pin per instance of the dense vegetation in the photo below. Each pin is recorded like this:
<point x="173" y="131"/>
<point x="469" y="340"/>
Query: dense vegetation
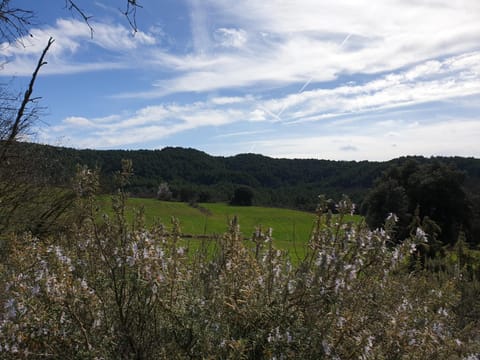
<point x="79" y="282"/>
<point x="113" y="289"/>
<point x="193" y="176"/>
<point x="430" y="194"/>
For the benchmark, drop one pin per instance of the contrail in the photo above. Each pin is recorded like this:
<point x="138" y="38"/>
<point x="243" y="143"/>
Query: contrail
<point x="277" y="116"/>
<point x="345" y="40"/>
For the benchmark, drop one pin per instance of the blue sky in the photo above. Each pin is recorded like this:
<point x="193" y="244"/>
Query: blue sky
<point x="341" y="80"/>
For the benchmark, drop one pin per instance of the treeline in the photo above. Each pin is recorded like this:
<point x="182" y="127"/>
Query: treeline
<point x="194" y="176"/>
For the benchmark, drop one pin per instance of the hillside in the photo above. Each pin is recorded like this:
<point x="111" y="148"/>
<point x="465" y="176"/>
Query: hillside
<point x="193" y="175"/>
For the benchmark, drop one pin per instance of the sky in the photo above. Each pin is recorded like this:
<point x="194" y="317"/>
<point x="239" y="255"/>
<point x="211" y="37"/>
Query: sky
<point x="339" y="80"/>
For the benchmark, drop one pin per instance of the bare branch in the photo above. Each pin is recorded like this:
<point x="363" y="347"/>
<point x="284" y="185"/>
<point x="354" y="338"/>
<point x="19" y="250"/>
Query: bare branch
<point x="71" y="5"/>
<point x="27" y="98"/>
<point x="131" y="13"/>
<point x="13" y="22"/>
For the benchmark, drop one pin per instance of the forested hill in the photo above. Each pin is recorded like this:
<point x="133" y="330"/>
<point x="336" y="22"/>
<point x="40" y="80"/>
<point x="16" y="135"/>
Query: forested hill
<point x="193" y="175"/>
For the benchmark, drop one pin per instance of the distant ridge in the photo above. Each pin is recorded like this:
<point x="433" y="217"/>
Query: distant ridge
<point x="194" y="175"/>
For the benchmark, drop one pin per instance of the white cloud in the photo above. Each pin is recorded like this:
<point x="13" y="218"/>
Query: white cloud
<point x="149" y="123"/>
<point x="230" y="37"/>
<point x="292" y="42"/>
<point x="391" y="55"/>
<point x="71" y="38"/>
<point x="78" y="121"/>
<point x="428" y="82"/>
<point x="443" y="138"/>
<point x="224" y="100"/>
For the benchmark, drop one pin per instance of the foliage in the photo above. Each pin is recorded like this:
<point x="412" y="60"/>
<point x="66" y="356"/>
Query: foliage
<point x="243" y="196"/>
<point x="163" y="192"/>
<point x="194" y="176"/>
<point x="113" y="290"/>
<point x="28" y="201"/>
<point x="415" y="191"/>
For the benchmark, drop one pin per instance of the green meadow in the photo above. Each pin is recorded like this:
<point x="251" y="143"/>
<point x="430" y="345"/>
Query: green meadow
<point x="291" y="228"/>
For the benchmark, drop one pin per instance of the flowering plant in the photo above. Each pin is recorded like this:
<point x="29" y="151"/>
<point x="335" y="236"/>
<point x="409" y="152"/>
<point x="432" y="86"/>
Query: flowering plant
<point x="111" y="289"/>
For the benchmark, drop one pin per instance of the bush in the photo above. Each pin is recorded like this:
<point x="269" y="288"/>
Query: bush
<point x="112" y="290"/>
<point x="243" y="196"/>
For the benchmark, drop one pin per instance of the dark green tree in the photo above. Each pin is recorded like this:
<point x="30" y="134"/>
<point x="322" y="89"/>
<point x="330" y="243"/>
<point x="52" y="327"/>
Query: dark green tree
<point x="243" y="196"/>
<point x="431" y="190"/>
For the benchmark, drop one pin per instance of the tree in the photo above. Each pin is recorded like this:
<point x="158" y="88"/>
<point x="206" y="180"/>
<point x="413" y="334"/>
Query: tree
<point x="387" y="197"/>
<point x="163" y="192"/>
<point x="243" y="196"/>
<point x="27" y="203"/>
<point x="432" y="190"/>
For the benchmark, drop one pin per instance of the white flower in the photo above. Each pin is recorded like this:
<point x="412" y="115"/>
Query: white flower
<point x="442" y="311"/>
<point x="413" y="247"/>
<point x="392" y="217"/>
<point x="135" y="249"/>
<point x="421" y="235"/>
<point x="83" y="284"/>
<point x="11" y="308"/>
<point x="35" y="289"/>
<point x="289" y="337"/>
<point x="130" y="260"/>
<point x="270" y="338"/>
<point x="327" y="349"/>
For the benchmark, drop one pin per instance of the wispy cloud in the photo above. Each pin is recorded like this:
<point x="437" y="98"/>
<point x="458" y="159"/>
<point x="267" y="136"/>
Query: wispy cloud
<point x="376" y="142"/>
<point x="318" y="40"/>
<point x="230" y="37"/>
<point x="72" y="38"/>
<point x="431" y="81"/>
<point x="146" y="124"/>
<point x="342" y="68"/>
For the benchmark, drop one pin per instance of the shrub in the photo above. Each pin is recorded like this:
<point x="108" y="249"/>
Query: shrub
<point x="243" y="196"/>
<point x="114" y="290"/>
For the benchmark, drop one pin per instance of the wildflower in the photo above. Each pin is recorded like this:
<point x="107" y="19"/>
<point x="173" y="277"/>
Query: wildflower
<point x="289" y="337"/>
<point x="160" y="252"/>
<point x="97" y="322"/>
<point x="368" y="346"/>
<point x="35" y="289"/>
<point x="130" y="260"/>
<point x="135" y="249"/>
<point x="11" y="308"/>
<point x="392" y="217"/>
<point x="421" y="235"/>
<point x="83" y="284"/>
<point x="442" y="311"/>
<point x="339" y="284"/>
<point x="396" y="255"/>
<point x="277" y="270"/>
<point x="413" y="247"/>
<point x="473" y="357"/>
<point x="327" y="348"/>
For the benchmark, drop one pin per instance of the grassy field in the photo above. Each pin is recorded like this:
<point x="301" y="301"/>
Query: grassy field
<point x="291" y="228"/>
